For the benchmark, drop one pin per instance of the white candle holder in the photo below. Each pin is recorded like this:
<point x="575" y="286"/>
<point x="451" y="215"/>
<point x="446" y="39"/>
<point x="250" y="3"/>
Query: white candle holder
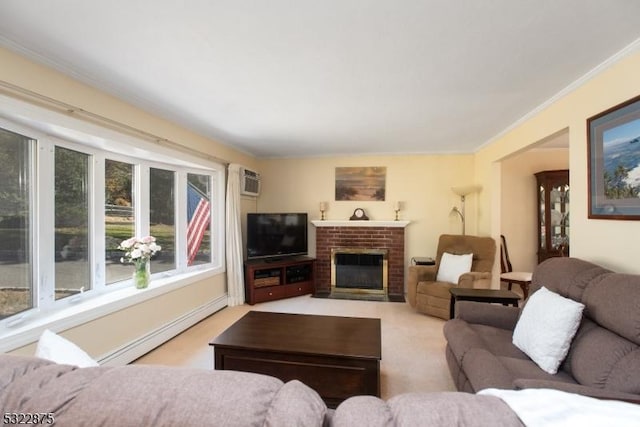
<point x="396" y="208"/>
<point x="323" y="208"/>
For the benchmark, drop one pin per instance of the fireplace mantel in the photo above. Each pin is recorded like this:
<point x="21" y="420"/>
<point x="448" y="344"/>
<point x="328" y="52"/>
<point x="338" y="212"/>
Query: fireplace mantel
<point x="355" y="223"/>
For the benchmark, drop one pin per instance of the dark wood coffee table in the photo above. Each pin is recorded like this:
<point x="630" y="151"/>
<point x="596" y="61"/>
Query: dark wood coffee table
<point x="339" y="357"/>
<point x="481" y="295"/>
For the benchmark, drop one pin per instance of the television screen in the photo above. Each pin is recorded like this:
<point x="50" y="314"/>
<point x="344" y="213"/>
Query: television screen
<point x="276" y="235"/>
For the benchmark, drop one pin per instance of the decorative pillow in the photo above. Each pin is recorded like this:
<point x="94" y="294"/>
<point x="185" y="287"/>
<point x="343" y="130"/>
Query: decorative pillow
<point x="453" y="266"/>
<point x="546" y="327"/>
<point x="57" y="349"/>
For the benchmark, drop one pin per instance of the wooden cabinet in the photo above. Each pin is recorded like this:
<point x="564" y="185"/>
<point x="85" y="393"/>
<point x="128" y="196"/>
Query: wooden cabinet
<point x="271" y="280"/>
<point x="553" y="213"/>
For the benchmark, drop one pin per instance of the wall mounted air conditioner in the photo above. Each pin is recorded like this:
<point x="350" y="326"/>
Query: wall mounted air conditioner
<point x="249" y="182"/>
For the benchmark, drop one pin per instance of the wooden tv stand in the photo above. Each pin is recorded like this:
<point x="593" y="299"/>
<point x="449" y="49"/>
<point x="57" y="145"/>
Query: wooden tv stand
<point x="267" y="280"/>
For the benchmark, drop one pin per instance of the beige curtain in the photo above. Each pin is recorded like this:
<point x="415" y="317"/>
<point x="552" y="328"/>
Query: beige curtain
<point x="235" y="276"/>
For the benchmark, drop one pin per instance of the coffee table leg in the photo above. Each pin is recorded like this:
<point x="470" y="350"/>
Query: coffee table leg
<point x="452" y="307"/>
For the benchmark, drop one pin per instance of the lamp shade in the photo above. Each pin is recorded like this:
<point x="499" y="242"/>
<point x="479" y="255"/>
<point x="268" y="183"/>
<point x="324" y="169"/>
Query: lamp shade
<point x="466" y="189"/>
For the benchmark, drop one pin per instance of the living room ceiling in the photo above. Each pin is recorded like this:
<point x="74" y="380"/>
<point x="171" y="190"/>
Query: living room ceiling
<point x="289" y="78"/>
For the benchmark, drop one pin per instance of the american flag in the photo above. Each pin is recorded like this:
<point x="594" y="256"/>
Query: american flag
<point x="198" y="213"/>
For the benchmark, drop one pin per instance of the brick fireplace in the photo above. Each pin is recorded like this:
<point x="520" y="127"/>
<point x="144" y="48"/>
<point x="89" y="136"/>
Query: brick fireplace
<point x="384" y="235"/>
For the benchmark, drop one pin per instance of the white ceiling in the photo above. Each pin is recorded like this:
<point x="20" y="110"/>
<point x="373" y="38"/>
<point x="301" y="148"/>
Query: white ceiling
<point x="333" y="77"/>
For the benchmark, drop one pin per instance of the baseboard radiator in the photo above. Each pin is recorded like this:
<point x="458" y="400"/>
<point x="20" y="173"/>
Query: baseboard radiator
<point x="144" y="344"/>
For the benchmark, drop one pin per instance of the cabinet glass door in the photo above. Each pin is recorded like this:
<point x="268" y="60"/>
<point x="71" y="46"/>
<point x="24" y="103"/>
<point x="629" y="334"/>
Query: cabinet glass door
<point x="541" y="215"/>
<point x="559" y="217"/>
<point x="553" y="213"/>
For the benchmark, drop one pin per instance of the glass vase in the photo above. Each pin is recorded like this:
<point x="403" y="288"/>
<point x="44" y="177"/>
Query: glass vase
<point x="141" y="274"/>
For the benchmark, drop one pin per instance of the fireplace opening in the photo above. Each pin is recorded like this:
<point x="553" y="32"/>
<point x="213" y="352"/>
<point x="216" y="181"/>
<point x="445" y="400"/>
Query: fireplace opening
<point x="359" y="270"/>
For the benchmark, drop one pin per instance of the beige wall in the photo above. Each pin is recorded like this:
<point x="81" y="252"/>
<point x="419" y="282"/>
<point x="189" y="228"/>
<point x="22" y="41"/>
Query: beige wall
<point x="106" y="334"/>
<point x="518" y="201"/>
<point x="610" y="243"/>
<point x="111" y="332"/>
<point x="421" y="182"/>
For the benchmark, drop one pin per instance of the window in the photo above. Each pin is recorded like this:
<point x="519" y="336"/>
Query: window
<point x="198" y="219"/>
<point x="72" y="261"/>
<point x="59" y="245"/>
<point x="16" y="170"/>
<point x="119" y="216"/>
<point x="162" y="213"/>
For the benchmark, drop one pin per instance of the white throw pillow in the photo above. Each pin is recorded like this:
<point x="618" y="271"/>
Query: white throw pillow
<point x="57" y="349"/>
<point x="453" y="266"/>
<point x="546" y="327"/>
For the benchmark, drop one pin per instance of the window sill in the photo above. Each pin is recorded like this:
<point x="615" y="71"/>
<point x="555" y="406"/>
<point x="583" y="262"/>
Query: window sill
<point x="26" y="330"/>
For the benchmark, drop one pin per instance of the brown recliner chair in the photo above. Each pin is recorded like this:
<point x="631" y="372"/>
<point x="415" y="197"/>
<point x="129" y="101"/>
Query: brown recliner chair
<point x="432" y="297"/>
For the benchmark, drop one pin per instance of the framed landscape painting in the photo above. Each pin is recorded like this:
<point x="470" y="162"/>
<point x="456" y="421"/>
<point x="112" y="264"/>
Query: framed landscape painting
<point x="613" y="138"/>
<point x="361" y="183"/>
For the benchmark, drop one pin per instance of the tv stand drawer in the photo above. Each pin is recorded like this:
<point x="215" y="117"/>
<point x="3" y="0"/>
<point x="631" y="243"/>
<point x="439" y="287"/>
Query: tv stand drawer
<point x="283" y="291"/>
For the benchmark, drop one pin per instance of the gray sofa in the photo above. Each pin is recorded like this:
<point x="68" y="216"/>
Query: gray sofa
<point x="604" y="356"/>
<point x="138" y="395"/>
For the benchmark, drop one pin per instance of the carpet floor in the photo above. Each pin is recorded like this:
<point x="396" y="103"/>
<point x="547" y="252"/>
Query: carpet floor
<point x="413" y="346"/>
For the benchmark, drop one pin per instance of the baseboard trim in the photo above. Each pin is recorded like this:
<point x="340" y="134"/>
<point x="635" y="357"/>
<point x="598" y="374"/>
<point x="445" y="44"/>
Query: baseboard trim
<point x="144" y="344"/>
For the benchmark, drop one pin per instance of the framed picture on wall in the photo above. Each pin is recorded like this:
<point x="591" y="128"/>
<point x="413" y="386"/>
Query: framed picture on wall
<point x="613" y="139"/>
<point x="361" y="183"/>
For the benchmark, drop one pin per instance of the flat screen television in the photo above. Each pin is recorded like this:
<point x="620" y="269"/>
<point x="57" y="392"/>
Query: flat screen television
<point x="276" y="235"/>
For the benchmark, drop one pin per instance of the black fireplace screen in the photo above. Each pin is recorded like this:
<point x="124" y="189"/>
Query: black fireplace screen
<point x="361" y="271"/>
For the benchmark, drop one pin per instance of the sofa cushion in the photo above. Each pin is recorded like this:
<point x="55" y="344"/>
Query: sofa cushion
<point x="461" y="337"/>
<point x="613" y="302"/>
<point x="485" y="370"/>
<point x="568" y="277"/>
<point x="528" y="369"/>
<point x="450" y="409"/>
<point x="498" y="316"/>
<point x="617" y="368"/>
<point x="441" y="409"/>
<point x="452" y="266"/>
<point x="498" y="340"/>
<point x="546" y="327"/>
<point x="296" y="404"/>
<point x="367" y="411"/>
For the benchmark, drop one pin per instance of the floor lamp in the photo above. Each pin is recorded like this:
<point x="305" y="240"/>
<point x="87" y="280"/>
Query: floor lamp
<point x="463" y="192"/>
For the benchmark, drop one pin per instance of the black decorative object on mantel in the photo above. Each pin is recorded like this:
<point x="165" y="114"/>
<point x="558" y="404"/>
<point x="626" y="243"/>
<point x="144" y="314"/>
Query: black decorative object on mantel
<point x="359" y="214"/>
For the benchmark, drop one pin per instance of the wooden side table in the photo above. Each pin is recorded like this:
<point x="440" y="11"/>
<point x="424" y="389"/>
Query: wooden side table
<point x="481" y="295"/>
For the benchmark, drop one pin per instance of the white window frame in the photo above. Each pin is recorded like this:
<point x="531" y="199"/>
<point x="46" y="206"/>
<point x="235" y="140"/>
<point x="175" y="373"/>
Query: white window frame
<point x="50" y="129"/>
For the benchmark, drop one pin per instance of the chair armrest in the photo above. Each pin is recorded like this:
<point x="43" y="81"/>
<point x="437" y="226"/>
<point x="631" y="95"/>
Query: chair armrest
<point x="498" y="316"/>
<point x="418" y="273"/>
<point x="475" y="279"/>
<point x="598" y="393"/>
